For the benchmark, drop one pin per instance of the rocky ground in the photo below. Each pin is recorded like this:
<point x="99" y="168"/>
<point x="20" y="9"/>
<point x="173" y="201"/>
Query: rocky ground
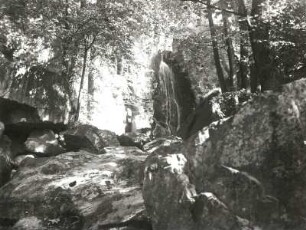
<point x="244" y="171"/>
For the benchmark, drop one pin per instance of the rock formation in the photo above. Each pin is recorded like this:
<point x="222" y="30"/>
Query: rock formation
<point x="246" y="171"/>
<point x="212" y="107"/>
<point x="78" y="190"/>
<point x="13" y="112"/>
<point x="43" y="143"/>
<point x="90" y="138"/>
<point x="243" y="171"/>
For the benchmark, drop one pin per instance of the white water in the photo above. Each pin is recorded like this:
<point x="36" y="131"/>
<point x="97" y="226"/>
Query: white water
<point x="167" y="82"/>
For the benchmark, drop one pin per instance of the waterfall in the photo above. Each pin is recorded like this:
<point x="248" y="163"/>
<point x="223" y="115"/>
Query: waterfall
<point x="170" y="105"/>
<point x="173" y="97"/>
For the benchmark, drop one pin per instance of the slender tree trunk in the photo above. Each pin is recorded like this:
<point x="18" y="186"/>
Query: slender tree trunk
<point x="83" y="4"/>
<point x="87" y="48"/>
<point x="215" y="48"/>
<point x="224" y="64"/>
<point x="90" y="96"/>
<point x="82" y="81"/>
<point x="119" y="64"/>
<point x="244" y="53"/>
<point x="23" y="84"/>
<point x="253" y="78"/>
<point x="230" y="48"/>
<point x="66" y="76"/>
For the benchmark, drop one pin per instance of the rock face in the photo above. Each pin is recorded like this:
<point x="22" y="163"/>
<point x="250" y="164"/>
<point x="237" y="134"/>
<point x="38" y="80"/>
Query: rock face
<point x="134" y="139"/>
<point x="202" y="116"/>
<point x="213" y="107"/>
<point x="77" y="190"/>
<point x="90" y="138"/>
<point x="243" y="172"/>
<point x="171" y="200"/>
<point x="183" y="89"/>
<point x="43" y="143"/>
<point x="167" y="192"/>
<point x="13" y="112"/>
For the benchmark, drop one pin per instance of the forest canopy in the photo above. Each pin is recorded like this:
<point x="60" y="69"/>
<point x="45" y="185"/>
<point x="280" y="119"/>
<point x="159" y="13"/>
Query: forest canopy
<point x="48" y="48"/>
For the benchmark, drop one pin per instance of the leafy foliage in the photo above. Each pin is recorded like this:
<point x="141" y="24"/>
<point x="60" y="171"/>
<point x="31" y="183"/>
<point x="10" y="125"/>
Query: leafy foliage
<point x="54" y="35"/>
<point x="275" y="38"/>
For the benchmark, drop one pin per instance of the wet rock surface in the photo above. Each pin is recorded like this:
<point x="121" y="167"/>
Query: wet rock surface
<point x="173" y="98"/>
<point x="78" y="190"/>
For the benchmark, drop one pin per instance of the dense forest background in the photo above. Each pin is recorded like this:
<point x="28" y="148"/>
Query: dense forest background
<point x="93" y="60"/>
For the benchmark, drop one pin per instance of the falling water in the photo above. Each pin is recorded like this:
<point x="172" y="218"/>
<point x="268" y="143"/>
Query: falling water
<point x="173" y="97"/>
<point x="170" y="105"/>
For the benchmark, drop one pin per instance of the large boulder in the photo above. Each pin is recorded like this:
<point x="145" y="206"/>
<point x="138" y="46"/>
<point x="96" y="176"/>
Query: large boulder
<point x="134" y="139"/>
<point x="43" y="143"/>
<point x="246" y="171"/>
<point x="255" y="161"/>
<point x="89" y="138"/>
<point x="19" y="133"/>
<point x="78" y="190"/>
<point x="172" y="201"/>
<point x="167" y="193"/>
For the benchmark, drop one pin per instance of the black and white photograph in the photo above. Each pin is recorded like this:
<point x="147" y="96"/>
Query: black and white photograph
<point x="152" y="114"/>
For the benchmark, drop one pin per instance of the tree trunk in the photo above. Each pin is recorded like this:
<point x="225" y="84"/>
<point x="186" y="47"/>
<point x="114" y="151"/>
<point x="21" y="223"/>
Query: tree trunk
<point x="119" y="64"/>
<point x="215" y="48"/>
<point x="244" y="53"/>
<point x="90" y="96"/>
<point x="68" y="64"/>
<point x="66" y="75"/>
<point x="259" y="37"/>
<point x="82" y="81"/>
<point x="230" y="48"/>
<point x="253" y="79"/>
